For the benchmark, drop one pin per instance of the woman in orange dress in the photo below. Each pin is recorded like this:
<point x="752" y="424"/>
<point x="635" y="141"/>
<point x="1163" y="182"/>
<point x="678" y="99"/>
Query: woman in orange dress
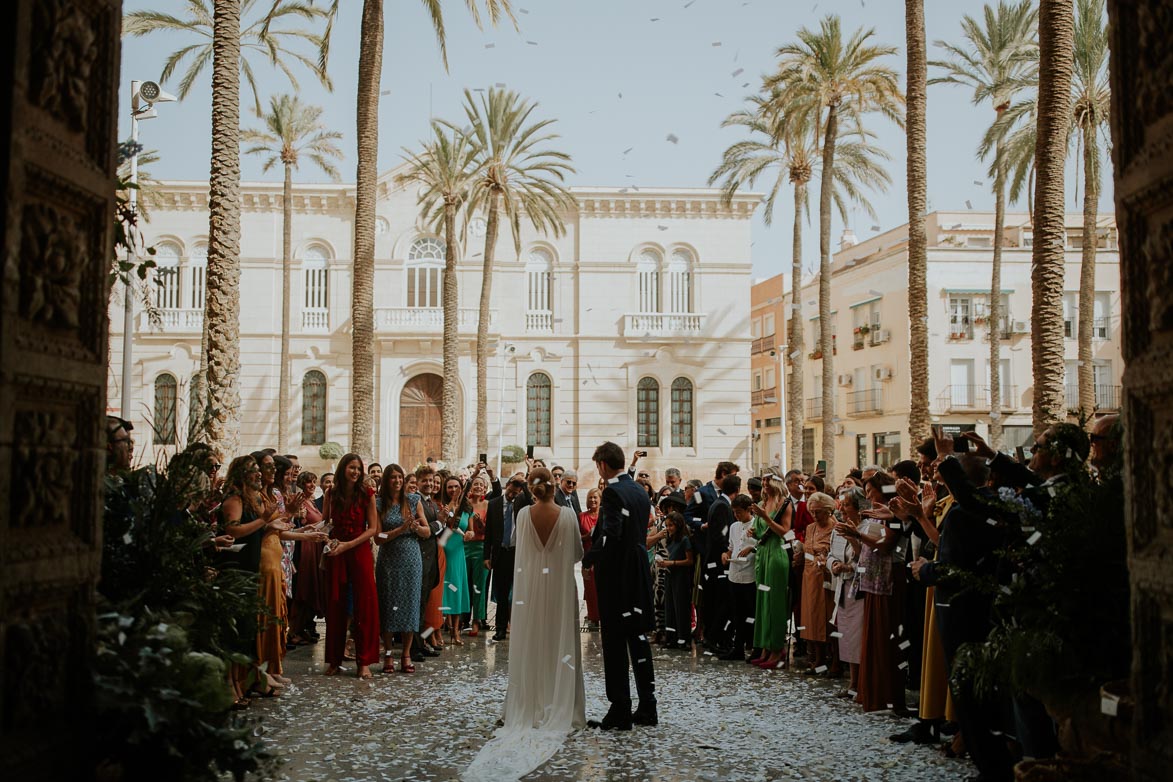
<point x="586" y="526"/>
<point x="816" y="601"/>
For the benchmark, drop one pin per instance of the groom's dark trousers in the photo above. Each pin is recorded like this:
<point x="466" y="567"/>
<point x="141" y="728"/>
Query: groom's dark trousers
<point x="624" y="584"/>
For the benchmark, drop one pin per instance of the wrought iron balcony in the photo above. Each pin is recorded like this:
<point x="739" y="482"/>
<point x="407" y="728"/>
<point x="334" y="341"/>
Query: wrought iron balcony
<point x="1107" y="397"/>
<point x="967" y="398"/>
<point x="814" y="408"/>
<point x="869" y="401"/>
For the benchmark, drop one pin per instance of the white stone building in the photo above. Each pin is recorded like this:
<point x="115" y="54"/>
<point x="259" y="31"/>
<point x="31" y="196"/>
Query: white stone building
<point x="869" y="304"/>
<point x="632" y="327"/>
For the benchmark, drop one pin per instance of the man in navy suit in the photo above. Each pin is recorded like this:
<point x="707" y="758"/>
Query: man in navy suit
<point x="624" y="584"/>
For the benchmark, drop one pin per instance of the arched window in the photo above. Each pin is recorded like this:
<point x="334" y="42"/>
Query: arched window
<point x="647" y="411"/>
<point x="167" y="276"/>
<point x="198" y="274"/>
<point x="539" y="314"/>
<point x="313" y="408"/>
<point x="537" y="410"/>
<point x="648" y="268"/>
<point x="682" y="413"/>
<point x="166" y="398"/>
<point x="315" y="310"/>
<point x="425" y="269"/>
<point x="680" y="281"/>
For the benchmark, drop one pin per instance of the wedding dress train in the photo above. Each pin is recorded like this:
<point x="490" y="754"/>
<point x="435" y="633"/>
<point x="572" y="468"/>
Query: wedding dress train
<point x="545" y="700"/>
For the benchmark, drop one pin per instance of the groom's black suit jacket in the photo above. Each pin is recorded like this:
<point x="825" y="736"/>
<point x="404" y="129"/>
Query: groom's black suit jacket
<point x="619" y="555"/>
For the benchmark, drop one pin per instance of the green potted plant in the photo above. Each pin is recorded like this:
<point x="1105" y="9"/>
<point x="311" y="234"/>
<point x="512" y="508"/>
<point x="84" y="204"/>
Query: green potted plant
<point x="331" y="452"/>
<point x="511" y="457"/>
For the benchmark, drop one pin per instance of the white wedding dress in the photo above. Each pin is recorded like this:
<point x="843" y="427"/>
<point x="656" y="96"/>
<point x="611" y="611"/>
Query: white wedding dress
<point x="545" y="700"/>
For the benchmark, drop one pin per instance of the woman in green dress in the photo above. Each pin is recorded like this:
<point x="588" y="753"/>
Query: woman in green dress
<point x="456" y="516"/>
<point x="772" y="573"/>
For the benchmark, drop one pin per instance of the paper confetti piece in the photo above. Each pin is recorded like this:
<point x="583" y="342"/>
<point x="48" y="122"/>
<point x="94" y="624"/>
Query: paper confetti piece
<point x="763" y="587"/>
<point x="905" y="644"/>
<point x="820" y="669"/>
<point x="836" y="634"/>
<point x="452" y="587"/>
<point x="1034" y="538"/>
<point x="545" y="571"/>
<point x="1109" y="705"/>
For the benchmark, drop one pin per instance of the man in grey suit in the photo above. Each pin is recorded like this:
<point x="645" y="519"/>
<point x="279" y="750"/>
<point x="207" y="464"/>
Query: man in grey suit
<point x="567" y="492"/>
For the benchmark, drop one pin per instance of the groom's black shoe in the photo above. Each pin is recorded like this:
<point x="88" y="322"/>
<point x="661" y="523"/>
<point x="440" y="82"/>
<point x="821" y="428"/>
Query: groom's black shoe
<point x="613" y="721"/>
<point x="646" y="717"/>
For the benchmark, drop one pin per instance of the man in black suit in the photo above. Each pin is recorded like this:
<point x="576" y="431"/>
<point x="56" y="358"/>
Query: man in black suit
<point x="714" y="579"/>
<point x="499" y="520"/>
<point x="567" y="492"/>
<point x="624" y="584"/>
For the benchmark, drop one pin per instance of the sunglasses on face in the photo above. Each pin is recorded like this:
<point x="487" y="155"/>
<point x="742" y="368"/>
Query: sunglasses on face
<point x="644" y="475"/>
<point x="570" y="482"/>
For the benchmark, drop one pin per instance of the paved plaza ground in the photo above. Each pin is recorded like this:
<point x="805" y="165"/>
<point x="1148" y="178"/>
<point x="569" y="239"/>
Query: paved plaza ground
<point x="718" y="721"/>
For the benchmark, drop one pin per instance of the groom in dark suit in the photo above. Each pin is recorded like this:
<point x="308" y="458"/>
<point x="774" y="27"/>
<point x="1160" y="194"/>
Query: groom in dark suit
<point x="624" y="584"/>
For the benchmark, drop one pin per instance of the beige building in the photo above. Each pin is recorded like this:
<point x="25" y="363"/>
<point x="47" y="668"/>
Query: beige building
<point x="767" y="327"/>
<point x="632" y="327"/>
<point x="870" y="311"/>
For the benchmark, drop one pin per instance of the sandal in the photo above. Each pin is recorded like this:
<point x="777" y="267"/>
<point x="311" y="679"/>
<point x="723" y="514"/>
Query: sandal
<point x="366" y="675"/>
<point x="405" y="665"/>
<point x="333" y="670"/>
<point x="388" y="663"/>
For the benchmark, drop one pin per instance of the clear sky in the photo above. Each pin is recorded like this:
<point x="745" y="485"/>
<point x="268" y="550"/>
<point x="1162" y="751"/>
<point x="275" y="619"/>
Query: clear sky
<point x="620" y="76"/>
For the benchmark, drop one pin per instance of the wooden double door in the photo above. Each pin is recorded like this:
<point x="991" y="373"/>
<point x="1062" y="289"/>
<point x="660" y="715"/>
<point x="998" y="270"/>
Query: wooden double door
<point x="419" y="420"/>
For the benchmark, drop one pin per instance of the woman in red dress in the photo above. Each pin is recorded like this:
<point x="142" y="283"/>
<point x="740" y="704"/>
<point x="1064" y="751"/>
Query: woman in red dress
<point x="586" y="525"/>
<point x="350" y="507"/>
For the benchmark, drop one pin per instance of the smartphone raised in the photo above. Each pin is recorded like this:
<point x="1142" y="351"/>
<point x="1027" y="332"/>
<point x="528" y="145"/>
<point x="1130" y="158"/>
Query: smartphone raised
<point x="821" y="466"/>
<point x="1020" y="452"/>
<point x="529" y="452"/>
<point x="961" y="444"/>
<point x="484" y="458"/>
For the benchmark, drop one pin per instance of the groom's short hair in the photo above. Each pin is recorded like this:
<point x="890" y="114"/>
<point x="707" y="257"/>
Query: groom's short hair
<point x="611" y="455"/>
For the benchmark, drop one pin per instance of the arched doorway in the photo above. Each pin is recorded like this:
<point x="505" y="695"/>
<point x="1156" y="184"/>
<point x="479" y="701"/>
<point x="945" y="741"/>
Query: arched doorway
<point x="419" y="420"/>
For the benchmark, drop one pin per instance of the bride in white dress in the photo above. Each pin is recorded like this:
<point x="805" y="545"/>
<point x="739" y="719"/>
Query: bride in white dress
<point x="545" y="701"/>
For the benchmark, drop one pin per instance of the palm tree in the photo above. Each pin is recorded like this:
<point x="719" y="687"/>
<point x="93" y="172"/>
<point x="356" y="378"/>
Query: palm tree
<point x="292" y="129"/>
<point x="445" y="171"/>
<point x="1001" y="56"/>
<point x="370" y="68"/>
<point x="785" y="144"/>
<point x="520" y="178"/>
<point x="918" y="294"/>
<point x="1056" y="61"/>
<point x="821" y="72"/>
<point x="268" y="35"/>
<point x="224" y="44"/>
<point x="1090" y="97"/>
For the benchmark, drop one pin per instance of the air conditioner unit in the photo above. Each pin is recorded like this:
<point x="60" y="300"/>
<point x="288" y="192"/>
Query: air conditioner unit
<point x="880" y="336"/>
<point x="845" y="379"/>
<point x="1020" y="327"/>
<point x="839" y="430"/>
<point x="882" y="373"/>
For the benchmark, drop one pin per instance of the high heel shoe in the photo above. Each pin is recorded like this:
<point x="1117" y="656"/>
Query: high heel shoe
<point x="388" y="663"/>
<point x="405" y="665"/>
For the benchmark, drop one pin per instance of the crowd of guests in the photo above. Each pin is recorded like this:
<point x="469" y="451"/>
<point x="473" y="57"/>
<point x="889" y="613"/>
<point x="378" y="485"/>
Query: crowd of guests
<point x="868" y="579"/>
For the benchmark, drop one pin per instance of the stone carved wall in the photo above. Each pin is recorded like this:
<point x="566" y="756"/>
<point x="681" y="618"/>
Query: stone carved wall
<point x="58" y="127"/>
<point x="1142" y="135"/>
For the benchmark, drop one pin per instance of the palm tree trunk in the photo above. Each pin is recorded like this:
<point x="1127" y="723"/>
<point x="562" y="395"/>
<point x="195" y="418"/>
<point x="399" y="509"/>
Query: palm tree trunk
<point x="1087" y="269"/>
<point x="483" y="317"/>
<point x="996" y="301"/>
<point x="286" y="274"/>
<point x="362" y="306"/>
<point x="222" y="304"/>
<point x="826" y="328"/>
<point x="918" y="296"/>
<point x="797" y="353"/>
<point x="450" y="403"/>
<point x="1056" y="36"/>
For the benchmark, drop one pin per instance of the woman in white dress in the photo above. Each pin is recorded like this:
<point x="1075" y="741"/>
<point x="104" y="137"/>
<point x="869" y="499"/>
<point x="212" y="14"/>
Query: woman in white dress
<point x="545" y="700"/>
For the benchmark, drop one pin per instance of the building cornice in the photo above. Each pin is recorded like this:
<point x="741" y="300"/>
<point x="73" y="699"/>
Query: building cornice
<point x="256" y="197"/>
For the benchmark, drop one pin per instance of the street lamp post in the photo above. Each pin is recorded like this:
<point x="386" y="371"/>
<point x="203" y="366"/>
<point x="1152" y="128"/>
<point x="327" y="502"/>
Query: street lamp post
<point x="143" y="97"/>
<point x="507" y="351"/>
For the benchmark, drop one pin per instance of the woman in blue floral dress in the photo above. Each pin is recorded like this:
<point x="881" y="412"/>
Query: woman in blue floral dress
<point x="399" y="568"/>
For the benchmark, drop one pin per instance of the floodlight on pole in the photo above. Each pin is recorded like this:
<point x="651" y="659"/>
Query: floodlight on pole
<point x="143" y="97"/>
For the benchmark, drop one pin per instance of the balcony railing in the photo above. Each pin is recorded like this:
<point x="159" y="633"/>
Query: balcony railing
<point x="1107" y="397"/>
<point x="762" y="344"/>
<point x="814" y="408"/>
<point x="663" y="324"/>
<point x="426" y="320"/>
<point x="866" y="402"/>
<point x="539" y="320"/>
<point x="966" y="398"/>
<point x="315" y="319"/>
<point x="174" y="322"/>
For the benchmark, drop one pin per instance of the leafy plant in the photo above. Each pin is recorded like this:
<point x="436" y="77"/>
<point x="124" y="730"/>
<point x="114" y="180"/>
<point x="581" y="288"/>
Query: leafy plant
<point x="512" y="454"/>
<point x="331" y="451"/>
<point x="170" y="623"/>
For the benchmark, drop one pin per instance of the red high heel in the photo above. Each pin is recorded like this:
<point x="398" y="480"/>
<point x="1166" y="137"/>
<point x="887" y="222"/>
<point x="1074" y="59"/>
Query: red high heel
<point x="405" y="665"/>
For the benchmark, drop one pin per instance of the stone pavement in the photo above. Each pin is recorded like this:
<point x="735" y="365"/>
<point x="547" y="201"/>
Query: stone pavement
<point x="718" y="721"/>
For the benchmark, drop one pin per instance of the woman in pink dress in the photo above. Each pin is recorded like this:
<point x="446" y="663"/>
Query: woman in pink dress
<point x="586" y="526"/>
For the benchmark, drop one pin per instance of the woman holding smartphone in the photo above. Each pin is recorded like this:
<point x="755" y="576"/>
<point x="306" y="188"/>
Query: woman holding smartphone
<point x="474" y="547"/>
<point x="350" y="508"/>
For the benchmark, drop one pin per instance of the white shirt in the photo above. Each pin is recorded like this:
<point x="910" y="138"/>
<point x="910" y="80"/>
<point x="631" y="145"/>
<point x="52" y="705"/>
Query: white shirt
<point x="741" y="570"/>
